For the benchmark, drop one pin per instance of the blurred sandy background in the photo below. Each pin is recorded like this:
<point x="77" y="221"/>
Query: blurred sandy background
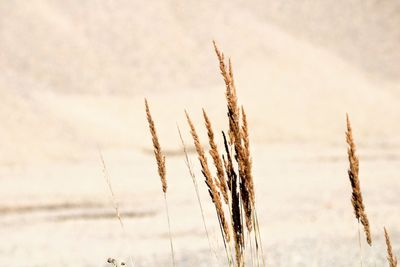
<point x="73" y="75"/>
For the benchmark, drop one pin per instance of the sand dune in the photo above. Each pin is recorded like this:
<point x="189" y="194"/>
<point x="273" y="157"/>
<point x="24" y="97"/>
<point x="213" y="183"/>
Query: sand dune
<point x="69" y="70"/>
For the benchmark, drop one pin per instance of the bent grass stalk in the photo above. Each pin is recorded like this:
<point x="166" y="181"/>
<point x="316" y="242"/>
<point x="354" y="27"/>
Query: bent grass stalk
<point x="160" y="159"/>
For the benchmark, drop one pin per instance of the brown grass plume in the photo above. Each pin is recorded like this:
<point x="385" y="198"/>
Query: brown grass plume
<point x="160" y="158"/>
<point x="390" y="256"/>
<point x="356" y="199"/>
<point x="222" y="185"/>
<point x="212" y="189"/>
<point x="236" y="139"/>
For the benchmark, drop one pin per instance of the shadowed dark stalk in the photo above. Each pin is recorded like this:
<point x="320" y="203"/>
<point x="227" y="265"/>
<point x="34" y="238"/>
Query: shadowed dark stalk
<point x="236" y="214"/>
<point x="236" y="138"/>
<point x="113" y="198"/>
<point x="239" y="139"/>
<point x="194" y="180"/>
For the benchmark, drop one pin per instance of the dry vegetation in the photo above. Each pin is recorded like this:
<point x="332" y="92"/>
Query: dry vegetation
<point x="231" y="187"/>
<point x="160" y="159"/>
<point x="390" y="257"/>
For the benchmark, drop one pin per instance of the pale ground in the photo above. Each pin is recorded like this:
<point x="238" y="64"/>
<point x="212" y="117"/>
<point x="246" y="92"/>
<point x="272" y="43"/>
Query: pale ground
<point x="73" y="76"/>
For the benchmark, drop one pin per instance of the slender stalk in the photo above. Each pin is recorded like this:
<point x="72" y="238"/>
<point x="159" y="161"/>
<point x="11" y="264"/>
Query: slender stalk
<point x="227" y="247"/>
<point x="169" y="230"/>
<point x="251" y="251"/>
<point x="257" y="232"/>
<point x="359" y="244"/>
<point x="194" y="180"/>
<point x="257" y="248"/>
<point x="113" y="198"/>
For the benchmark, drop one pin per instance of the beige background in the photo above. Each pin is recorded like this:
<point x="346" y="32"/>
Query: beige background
<point x="73" y="75"/>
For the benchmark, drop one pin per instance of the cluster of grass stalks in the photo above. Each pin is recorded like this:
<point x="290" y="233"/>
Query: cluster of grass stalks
<point x="231" y="187"/>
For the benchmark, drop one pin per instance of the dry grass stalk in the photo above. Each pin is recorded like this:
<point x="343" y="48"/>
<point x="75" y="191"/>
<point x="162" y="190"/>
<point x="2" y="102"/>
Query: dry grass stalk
<point x="235" y="136"/>
<point x="356" y="200"/>
<point x="194" y="180"/>
<point x="160" y="159"/>
<point x="212" y="189"/>
<point x="233" y="110"/>
<point x="247" y="158"/>
<point x="390" y="256"/>
<point x="250" y="184"/>
<point x="110" y="189"/>
<point x="222" y="185"/>
<point x="114" y="200"/>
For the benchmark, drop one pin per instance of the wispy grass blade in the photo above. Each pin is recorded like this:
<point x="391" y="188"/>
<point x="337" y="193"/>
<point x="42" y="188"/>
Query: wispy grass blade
<point x="114" y="200"/>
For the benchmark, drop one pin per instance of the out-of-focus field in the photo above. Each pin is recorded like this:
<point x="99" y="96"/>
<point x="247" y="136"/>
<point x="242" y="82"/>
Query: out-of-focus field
<point x="73" y="76"/>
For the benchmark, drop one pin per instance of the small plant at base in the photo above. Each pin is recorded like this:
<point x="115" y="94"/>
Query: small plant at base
<point x="115" y="263"/>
